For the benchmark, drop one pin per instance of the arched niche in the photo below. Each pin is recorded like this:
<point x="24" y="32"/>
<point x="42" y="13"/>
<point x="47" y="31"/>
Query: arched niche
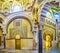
<point x="48" y="33"/>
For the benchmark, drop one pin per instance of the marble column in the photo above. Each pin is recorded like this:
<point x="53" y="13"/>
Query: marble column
<point x="35" y="30"/>
<point x="57" y="32"/>
<point x="4" y="35"/>
<point x="40" y="39"/>
<point x="4" y="40"/>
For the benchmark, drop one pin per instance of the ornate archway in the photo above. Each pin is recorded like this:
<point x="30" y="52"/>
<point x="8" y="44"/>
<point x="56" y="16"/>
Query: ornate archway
<point x="44" y="2"/>
<point x="2" y="17"/>
<point x="17" y="15"/>
<point x="42" y="19"/>
<point x="1" y="27"/>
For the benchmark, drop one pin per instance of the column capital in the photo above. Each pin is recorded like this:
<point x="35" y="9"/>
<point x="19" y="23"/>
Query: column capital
<point x="41" y="24"/>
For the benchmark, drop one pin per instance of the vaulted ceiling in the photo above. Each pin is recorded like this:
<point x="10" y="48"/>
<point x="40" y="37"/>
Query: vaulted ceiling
<point x="8" y="5"/>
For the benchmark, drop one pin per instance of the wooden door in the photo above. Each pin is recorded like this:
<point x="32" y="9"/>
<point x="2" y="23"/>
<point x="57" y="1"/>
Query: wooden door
<point x="17" y="44"/>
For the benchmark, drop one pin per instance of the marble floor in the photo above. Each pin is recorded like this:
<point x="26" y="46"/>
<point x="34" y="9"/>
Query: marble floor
<point x="17" y="51"/>
<point x="55" y="50"/>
